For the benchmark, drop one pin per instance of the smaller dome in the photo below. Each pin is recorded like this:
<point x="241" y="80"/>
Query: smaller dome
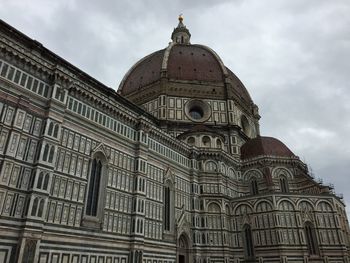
<point x="262" y="145"/>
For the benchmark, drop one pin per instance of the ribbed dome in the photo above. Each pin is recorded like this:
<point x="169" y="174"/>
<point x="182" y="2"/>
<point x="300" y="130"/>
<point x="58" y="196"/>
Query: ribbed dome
<point x="182" y="62"/>
<point x="265" y="146"/>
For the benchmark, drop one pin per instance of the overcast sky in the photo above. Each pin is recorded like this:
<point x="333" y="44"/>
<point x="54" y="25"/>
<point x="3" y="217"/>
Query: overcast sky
<point x="292" y="55"/>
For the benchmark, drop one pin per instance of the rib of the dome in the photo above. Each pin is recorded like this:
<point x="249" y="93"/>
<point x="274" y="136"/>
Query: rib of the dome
<point x="143" y="73"/>
<point x="262" y="145"/>
<point x="190" y="62"/>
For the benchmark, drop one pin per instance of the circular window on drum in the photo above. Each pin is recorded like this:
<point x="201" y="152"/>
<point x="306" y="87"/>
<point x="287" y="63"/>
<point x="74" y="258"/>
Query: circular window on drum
<point x="196" y="113"/>
<point x="197" y="110"/>
<point x="191" y="141"/>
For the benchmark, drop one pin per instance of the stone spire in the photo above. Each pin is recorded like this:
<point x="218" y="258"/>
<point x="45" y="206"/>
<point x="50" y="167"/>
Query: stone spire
<point x="181" y="34"/>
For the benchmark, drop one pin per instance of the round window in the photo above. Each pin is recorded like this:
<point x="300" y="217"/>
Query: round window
<point x="196" y="113"/>
<point x="197" y="110"/>
<point x="191" y="141"/>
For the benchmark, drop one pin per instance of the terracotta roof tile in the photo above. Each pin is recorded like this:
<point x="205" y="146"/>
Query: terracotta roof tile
<point x="189" y="62"/>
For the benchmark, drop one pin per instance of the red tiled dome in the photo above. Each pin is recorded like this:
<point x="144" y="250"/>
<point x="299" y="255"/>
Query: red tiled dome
<point x="145" y="72"/>
<point x="265" y="146"/>
<point x="182" y="62"/>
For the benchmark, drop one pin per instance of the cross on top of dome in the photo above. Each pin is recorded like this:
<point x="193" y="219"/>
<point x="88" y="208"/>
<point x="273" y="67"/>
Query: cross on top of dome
<point x="181" y="34"/>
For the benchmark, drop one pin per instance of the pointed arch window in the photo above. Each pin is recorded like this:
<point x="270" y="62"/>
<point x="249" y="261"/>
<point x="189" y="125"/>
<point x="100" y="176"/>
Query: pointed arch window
<point x="35" y="207"/>
<point x="311" y="238"/>
<point x="94" y="187"/>
<point x="46" y="182"/>
<point x="29" y="251"/>
<point x="46" y="152"/>
<point x="248" y="241"/>
<point x="167" y="208"/>
<point x="168" y="203"/>
<point x="50" y="128"/>
<point x="41" y="208"/>
<point x="55" y="133"/>
<point x="52" y="152"/>
<point x="38" y="207"/>
<point x="218" y="143"/>
<point x="284" y="184"/>
<point x="40" y="180"/>
<point x="254" y="190"/>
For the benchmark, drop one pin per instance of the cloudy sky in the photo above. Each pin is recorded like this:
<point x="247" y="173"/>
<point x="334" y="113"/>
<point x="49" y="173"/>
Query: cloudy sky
<point x="292" y="55"/>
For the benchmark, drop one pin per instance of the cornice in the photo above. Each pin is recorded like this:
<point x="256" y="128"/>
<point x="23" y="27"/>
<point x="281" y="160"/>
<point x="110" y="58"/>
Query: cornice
<point x="218" y="155"/>
<point x="270" y="160"/>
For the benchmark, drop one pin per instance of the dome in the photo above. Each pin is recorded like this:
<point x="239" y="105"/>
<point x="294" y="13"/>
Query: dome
<point x="184" y="62"/>
<point x="262" y="145"/>
<point x="186" y="66"/>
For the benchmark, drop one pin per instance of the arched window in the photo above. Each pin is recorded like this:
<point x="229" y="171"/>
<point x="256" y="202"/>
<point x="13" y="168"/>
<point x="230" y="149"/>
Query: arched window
<point x="35" y="207"/>
<point x="49" y="132"/>
<point x="46" y="152"/>
<point x="167" y="208"/>
<point x="133" y="226"/>
<point x="55" y="133"/>
<point x="41" y="208"/>
<point x="191" y="141"/>
<point x="311" y="239"/>
<point x="138" y="226"/>
<point x="40" y="180"/>
<point x="94" y="187"/>
<point x="32" y="181"/>
<point x="52" y="151"/>
<point x="218" y="143"/>
<point x="284" y="184"/>
<point x="254" y="190"/>
<point x="46" y="182"/>
<point x="140" y="257"/>
<point x="29" y="251"/>
<point x="210" y="166"/>
<point x="206" y="141"/>
<point x="248" y="241"/>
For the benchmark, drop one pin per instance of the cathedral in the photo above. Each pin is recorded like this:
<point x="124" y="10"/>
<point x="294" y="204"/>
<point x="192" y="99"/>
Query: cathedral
<point x="170" y="168"/>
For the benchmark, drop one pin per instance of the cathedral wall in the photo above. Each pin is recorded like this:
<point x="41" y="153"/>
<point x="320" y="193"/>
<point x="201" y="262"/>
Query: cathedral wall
<point x="47" y="145"/>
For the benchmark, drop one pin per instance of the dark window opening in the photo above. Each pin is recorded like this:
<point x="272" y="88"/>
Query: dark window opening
<point x="248" y="241"/>
<point x="29" y="251"/>
<point x="311" y="239"/>
<point x="94" y="186"/>
<point x="254" y="187"/>
<point x="196" y="113"/>
<point x="40" y="180"/>
<point x="284" y="185"/>
<point x="167" y="208"/>
<point x="46" y="181"/>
